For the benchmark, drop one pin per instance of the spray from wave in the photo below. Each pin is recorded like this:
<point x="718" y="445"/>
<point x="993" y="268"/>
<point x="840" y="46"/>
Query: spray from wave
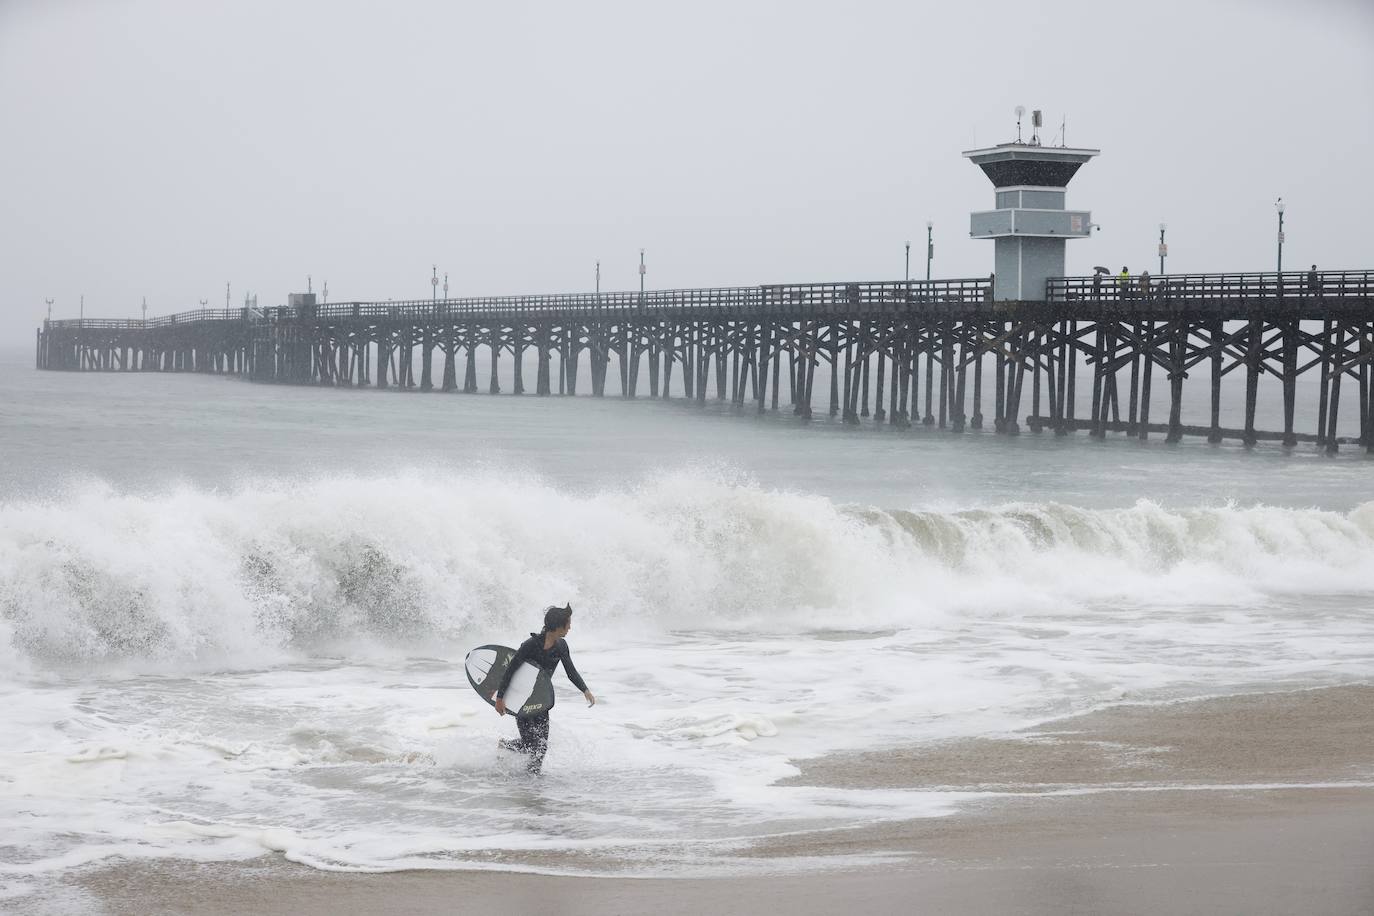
<point x="196" y="577"/>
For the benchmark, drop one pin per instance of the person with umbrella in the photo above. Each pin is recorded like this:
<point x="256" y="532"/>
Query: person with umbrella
<point x="1098" y="274"/>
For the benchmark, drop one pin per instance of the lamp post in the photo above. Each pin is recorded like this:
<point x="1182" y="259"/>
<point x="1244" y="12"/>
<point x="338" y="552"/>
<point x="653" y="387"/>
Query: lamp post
<point x="50" y="302"/>
<point x="641" y="275"/>
<point x="1163" y="248"/>
<point x="445" y="286"/>
<point x="434" y="284"/>
<point x="930" y="246"/>
<point x="598" y="279"/>
<point x="907" y="275"/>
<point x="145" y="311"/>
<point x="83" y="308"/>
<point x="1278" y="205"/>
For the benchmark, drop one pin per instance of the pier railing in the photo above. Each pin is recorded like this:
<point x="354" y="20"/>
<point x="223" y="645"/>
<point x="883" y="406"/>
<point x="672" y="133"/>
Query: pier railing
<point x="165" y="321"/>
<point x="1182" y="289"/>
<point x="803" y="300"/>
<point x="798" y="299"/>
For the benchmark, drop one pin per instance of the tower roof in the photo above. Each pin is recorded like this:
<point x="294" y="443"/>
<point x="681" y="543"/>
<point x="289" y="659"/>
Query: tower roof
<point x="1010" y="165"/>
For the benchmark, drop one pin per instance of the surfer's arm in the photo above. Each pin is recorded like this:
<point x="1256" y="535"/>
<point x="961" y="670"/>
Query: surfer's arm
<point x="571" y="670"/>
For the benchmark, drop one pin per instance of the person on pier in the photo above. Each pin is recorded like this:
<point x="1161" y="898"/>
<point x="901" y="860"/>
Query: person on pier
<point x="1098" y="274"/>
<point x="1123" y="282"/>
<point x="545" y="650"/>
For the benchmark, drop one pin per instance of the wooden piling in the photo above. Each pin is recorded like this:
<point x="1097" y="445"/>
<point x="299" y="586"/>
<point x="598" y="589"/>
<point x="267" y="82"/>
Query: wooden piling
<point x="1217" y="340"/>
<point x="1177" y="374"/>
<point x="946" y="366"/>
<point x="1324" y="383"/>
<point x="929" y="418"/>
<point x="1337" y="362"/>
<point x="1253" y="366"/>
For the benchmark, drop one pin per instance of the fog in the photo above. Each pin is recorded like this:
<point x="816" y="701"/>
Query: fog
<point x="163" y="149"/>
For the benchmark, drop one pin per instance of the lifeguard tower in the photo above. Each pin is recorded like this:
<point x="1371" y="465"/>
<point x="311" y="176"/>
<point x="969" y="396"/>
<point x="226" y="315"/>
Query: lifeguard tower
<point x="1030" y="224"/>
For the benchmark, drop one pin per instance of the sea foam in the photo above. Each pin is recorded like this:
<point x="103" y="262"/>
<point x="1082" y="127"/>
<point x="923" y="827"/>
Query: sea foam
<point x="193" y="577"/>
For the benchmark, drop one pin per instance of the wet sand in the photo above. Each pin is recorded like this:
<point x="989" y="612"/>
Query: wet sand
<point x="1248" y="804"/>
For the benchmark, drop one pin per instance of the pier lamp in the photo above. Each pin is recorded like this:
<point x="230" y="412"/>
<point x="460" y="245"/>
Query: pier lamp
<point x="907" y="275"/>
<point x="930" y="246"/>
<point x="1163" y="248"/>
<point x="641" y="275"/>
<point x="434" y="284"/>
<point x="1278" y="205"/>
<point x="50" y="302"/>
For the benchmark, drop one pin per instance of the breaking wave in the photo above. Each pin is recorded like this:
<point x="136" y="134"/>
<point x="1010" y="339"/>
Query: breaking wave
<point x="201" y="577"/>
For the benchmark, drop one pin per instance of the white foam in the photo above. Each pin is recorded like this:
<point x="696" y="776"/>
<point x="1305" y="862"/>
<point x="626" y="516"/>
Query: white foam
<point x="278" y="670"/>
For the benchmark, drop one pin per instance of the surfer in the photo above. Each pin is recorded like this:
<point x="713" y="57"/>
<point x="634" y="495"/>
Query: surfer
<point x="544" y="649"/>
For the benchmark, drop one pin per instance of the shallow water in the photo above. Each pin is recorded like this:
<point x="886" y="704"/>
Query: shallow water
<point x="233" y="617"/>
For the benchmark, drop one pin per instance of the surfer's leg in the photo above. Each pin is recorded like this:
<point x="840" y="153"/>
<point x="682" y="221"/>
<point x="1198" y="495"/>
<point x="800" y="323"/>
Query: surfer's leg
<point x="534" y="735"/>
<point x="526" y="741"/>
<point x="518" y="745"/>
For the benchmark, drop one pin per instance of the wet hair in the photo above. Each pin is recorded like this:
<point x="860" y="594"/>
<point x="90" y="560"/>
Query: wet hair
<point x="556" y="618"/>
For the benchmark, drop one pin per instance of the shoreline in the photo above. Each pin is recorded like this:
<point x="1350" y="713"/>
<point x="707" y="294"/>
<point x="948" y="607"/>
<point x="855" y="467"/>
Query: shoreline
<point x="1311" y="734"/>
<point x="1257" y="803"/>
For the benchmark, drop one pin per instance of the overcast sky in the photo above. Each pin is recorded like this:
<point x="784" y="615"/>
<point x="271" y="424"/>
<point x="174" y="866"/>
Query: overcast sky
<point x="160" y="148"/>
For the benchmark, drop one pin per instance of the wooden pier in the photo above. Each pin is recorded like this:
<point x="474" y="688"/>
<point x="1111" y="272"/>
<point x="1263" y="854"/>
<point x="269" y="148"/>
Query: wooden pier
<point x="897" y="352"/>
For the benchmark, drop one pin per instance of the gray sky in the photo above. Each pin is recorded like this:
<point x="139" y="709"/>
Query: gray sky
<point x="160" y="148"/>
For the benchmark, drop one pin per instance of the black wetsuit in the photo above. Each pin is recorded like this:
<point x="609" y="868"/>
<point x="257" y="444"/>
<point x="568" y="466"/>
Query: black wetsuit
<point x="534" y="730"/>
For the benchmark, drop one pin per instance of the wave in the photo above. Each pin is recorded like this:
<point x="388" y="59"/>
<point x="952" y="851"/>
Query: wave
<point x="205" y="577"/>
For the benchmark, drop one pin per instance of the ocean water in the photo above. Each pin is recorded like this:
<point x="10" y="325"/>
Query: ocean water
<point x="233" y="616"/>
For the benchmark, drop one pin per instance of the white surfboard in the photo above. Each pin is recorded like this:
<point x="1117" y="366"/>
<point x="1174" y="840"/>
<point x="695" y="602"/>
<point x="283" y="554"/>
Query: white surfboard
<point x="530" y="691"/>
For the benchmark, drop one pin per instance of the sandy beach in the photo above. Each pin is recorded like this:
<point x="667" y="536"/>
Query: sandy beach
<point x="1253" y="804"/>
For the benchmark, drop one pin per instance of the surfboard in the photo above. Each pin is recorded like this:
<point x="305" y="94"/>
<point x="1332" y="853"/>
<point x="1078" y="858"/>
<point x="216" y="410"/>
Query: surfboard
<point x="530" y="691"/>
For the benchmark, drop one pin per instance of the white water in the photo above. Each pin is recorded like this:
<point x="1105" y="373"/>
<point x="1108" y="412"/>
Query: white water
<point x="215" y="674"/>
<point x="266" y="658"/>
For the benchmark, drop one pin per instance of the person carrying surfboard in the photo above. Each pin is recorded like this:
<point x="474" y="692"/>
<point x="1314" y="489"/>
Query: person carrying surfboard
<point x="545" y="650"/>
